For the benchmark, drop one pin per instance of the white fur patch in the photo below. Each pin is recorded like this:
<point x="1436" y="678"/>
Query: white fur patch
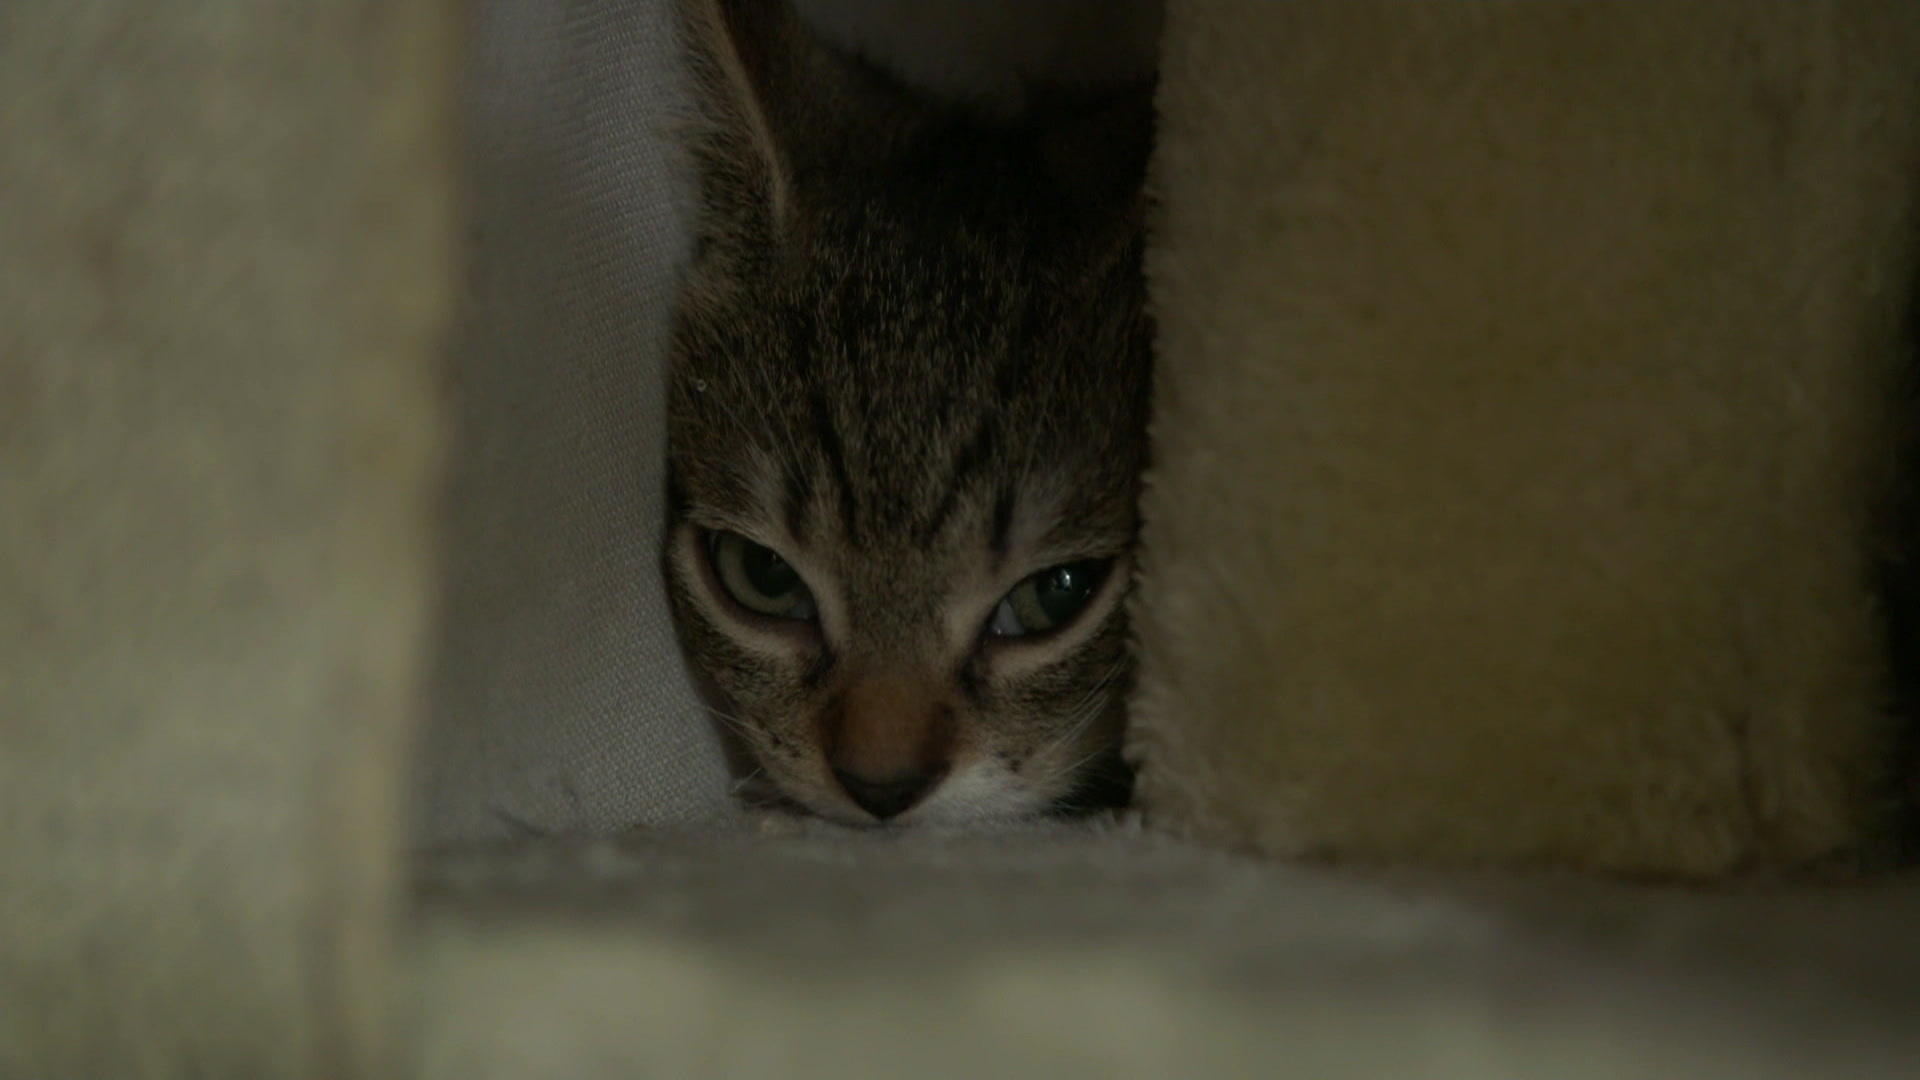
<point x="977" y="792"/>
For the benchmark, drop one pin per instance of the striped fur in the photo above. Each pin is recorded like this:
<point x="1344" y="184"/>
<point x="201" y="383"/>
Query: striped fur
<point x="912" y="357"/>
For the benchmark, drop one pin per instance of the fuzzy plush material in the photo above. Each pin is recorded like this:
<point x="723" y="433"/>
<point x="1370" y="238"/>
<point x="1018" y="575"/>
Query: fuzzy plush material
<point x="1523" y="420"/>
<point x="809" y="951"/>
<point x="225" y="264"/>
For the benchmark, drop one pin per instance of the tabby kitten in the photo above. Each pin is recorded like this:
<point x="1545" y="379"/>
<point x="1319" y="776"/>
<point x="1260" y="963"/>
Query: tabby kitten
<point x="906" y="424"/>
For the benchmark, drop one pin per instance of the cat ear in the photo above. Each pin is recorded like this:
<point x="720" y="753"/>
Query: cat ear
<point x="780" y="104"/>
<point x="786" y="113"/>
<point x="734" y="50"/>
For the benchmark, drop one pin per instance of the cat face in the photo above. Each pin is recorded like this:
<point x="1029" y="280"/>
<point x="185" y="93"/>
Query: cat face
<point x="906" y="421"/>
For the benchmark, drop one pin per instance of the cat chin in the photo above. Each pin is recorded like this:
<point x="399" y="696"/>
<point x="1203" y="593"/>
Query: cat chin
<point x="982" y="794"/>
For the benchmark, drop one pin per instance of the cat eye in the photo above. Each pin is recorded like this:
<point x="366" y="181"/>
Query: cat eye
<point x="757" y="578"/>
<point x="1049" y="599"/>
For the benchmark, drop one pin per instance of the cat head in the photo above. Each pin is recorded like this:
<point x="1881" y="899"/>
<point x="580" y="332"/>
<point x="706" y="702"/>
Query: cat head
<point x="907" y="413"/>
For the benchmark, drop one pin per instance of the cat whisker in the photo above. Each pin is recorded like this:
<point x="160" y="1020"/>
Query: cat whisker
<point x="1086" y="759"/>
<point x="732" y="722"/>
<point x="747" y="733"/>
<point x="1085" y="711"/>
<point x="755" y="779"/>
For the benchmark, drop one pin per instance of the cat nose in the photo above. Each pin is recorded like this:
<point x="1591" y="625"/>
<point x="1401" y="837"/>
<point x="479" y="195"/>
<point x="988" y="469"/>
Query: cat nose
<point x="888" y="743"/>
<point x="891" y="795"/>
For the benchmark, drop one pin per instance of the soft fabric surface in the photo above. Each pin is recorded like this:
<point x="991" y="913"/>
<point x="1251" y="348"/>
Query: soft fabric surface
<point x="560" y="702"/>
<point x="225" y="262"/>
<point x="803" y="950"/>
<point x="1521" y="425"/>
